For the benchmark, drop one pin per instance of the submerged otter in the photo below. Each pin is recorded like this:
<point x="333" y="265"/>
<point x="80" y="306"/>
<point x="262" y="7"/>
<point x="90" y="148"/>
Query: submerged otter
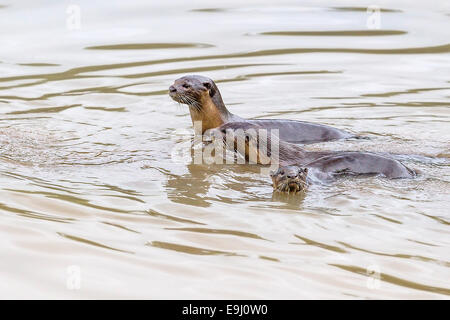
<point x="206" y="105"/>
<point x="296" y="163"/>
<point x="290" y="179"/>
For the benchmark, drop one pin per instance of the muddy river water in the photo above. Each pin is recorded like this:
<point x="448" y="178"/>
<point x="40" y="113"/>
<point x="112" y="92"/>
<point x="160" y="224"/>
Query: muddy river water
<point x="93" y="205"/>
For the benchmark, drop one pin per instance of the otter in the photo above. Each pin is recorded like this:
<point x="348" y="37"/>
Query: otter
<point x="206" y="105"/>
<point x="290" y="179"/>
<point x="296" y="163"/>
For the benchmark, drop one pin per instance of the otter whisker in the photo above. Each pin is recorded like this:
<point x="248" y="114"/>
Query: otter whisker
<point x="183" y="98"/>
<point x="192" y="102"/>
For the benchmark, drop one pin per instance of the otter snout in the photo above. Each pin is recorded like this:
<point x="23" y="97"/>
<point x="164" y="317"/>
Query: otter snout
<point x="174" y="94"/>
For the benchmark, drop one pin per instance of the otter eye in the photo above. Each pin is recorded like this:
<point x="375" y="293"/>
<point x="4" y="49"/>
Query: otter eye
<point x="186" y="86"/>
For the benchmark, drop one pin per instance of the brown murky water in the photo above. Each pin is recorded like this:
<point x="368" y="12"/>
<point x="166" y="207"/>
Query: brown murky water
<point x="89" y="193"/>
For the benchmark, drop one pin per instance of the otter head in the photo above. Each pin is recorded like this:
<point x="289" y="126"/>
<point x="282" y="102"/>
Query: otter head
<point x="203" y="98"/>
<point x="192" y="90"/>
<point x="244" y="139"/>
<point x="290" y="179"/>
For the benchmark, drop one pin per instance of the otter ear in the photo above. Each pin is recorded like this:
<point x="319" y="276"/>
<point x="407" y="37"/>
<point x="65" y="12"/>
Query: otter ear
<point x="305" y="170"/>
<point x="208" y="86"/>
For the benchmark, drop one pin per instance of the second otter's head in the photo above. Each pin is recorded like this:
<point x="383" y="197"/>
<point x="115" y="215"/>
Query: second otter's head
<point x="251" y="141"/>
<point x="290" y="179"/>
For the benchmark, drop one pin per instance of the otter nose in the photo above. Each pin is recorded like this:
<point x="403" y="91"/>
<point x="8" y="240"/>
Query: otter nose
<point x="291" y="176"/>
<point x="172" y="89"/>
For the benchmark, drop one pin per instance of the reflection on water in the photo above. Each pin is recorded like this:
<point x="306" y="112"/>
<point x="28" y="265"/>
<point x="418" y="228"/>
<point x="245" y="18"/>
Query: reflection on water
<point x="364" y="9"/>
<point x="86" y="136"/>
<point x="345" y="33"/>
<point x="188" y="249"/>
<point x="146" y="46"/>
